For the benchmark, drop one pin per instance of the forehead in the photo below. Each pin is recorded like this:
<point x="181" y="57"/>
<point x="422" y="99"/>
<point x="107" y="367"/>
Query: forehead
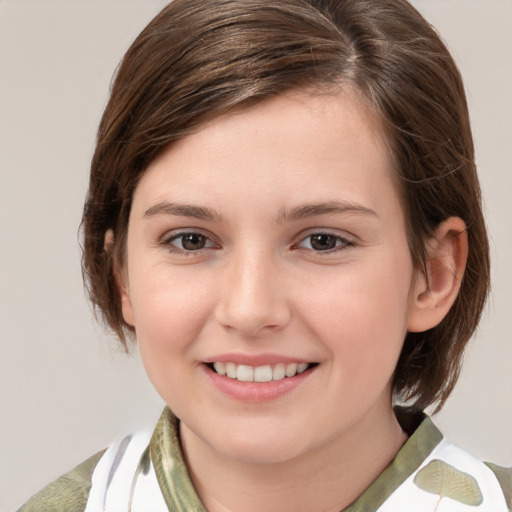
<point x="299" y="142"/>
<point x="345" y="109"/>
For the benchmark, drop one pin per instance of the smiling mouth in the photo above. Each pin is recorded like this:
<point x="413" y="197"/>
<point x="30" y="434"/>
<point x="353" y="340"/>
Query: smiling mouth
<point x="265" y="373"/>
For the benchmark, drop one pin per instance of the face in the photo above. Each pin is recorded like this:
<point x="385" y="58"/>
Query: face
<point x="268" y="277"/>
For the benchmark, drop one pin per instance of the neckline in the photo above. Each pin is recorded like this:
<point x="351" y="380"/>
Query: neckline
<point x="424" y="436"/>
<point x="180" y="495"/>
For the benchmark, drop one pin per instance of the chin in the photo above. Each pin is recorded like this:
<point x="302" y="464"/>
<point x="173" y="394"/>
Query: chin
<point x="261" y="451"/>
<point x="262" y="443"/>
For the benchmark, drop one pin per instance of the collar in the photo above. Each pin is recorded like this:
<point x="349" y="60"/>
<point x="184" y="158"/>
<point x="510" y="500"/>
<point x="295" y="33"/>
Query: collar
<point x="180" y="496"/>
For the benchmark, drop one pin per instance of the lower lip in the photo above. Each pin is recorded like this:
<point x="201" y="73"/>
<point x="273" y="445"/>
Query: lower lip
<point x="256" y="392"/>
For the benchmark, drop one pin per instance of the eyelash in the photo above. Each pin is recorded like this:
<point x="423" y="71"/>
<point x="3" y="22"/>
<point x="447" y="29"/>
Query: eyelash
<point x="341" y="243"/>
<point x="167" y="242"/>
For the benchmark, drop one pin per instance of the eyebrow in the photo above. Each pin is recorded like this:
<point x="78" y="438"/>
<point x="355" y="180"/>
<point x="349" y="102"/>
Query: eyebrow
<point x="327" y="208"/>
<point x="183" y="210"/>
<point x="298" y="213"/>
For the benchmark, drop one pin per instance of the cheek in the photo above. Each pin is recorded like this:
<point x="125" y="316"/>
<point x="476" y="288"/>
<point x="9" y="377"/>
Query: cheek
<point x="169" y="313"/>
<point x="168" y="321"/>
<point x="361" y="316"/>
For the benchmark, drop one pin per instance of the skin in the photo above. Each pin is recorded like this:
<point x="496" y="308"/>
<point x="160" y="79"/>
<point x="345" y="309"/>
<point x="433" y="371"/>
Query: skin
<point x="258" y="287"/>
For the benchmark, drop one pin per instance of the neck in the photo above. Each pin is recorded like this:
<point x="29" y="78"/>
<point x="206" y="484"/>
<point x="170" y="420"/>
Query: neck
<point x="327" y="479"/>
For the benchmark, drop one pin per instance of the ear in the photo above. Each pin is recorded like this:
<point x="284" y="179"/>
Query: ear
<point x="121" y="279"/>
<point x="435" y="293"/>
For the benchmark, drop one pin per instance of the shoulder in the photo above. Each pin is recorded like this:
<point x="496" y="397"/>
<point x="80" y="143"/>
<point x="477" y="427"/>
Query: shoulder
<point x="504" y="477"/>
<point x="453" y="473"/>
<point x="88" y="485"/>
<point x="69" y="492"/>
<point x="431" y="470"/>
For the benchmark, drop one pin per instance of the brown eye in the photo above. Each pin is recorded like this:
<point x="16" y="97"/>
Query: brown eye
<point x="323" y="242"/>
<point x="188" y="242"/>
<point x="193" y="241"/>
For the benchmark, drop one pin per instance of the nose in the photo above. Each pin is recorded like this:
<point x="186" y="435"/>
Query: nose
<point x="253" y="299"/>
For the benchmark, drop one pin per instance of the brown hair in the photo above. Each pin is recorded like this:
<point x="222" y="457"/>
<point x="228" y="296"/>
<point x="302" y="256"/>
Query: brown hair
<point x="199" y="59"/>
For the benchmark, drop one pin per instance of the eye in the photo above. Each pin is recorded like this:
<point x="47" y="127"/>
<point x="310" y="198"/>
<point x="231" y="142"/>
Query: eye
<point x="324" y="242"/>
<point x="188" y="242"/>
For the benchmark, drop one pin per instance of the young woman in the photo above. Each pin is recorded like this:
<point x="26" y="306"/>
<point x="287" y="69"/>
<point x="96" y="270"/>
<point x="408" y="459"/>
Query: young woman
<point x="284" y="213"/>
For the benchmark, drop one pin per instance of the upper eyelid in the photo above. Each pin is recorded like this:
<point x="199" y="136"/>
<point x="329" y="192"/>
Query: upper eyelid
<point x="176" y="233"/>
<point x="326" y="231"/>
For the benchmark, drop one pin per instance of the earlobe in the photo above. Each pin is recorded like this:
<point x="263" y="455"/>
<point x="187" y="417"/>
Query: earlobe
<point x="121" y="280"/>
<point x="435" y="293"/>
<point x="126" y="303"/>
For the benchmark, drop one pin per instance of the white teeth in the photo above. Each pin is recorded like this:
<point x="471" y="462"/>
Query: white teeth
<point x="262" y="374"/>
<point x="279" y="371"/>
<point x="291" y="369"/>
<point x="231" y="370"/>
<point x="301" y="368"/>
<point x="246" y="373"/>
<point x="220" y="368"/>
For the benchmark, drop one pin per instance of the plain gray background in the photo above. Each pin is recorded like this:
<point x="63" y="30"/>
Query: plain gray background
<point x="66" y="390"/>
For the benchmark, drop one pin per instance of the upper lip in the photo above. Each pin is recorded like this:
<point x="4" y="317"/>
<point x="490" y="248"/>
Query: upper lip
<point x="255" y="359"/>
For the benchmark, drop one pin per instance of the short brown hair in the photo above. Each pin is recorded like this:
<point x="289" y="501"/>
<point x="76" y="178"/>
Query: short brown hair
<point x="199" y="59"/>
